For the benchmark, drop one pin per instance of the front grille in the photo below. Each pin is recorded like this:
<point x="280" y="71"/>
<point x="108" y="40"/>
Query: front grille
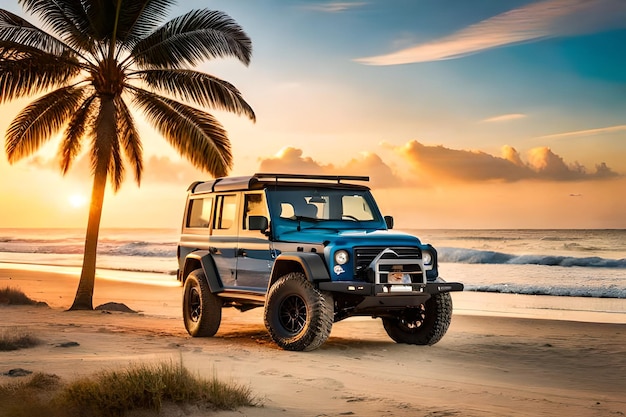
<point x="363" y="256"/>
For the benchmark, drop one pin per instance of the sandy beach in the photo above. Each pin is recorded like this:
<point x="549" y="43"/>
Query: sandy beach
<point x="486" y="365"/>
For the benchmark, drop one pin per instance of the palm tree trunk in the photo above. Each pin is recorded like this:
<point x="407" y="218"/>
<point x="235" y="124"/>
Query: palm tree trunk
<point x="84" y="293"/>
<point x="105" y="135"/>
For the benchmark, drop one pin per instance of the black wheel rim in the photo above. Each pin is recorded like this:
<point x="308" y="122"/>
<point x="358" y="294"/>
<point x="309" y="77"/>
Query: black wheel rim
<point x="413" y="318"/>
<point x="292" y="314"/>
<point x="195" y="305"/>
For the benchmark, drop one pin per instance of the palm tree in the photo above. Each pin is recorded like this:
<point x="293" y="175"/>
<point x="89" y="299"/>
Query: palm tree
<point x="98" y="56"/>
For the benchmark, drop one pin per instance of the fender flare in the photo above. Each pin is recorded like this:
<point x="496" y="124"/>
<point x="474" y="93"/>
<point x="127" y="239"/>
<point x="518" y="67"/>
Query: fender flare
<point x="203" y="259"/>
<point x="310" y="264"/>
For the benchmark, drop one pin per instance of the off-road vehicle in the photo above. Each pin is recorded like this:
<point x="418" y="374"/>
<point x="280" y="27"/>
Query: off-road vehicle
<point x="310" y="249"/>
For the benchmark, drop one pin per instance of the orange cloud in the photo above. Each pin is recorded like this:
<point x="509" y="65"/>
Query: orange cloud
<point x="381" y="174"/>
<point x="155" y="169"/>
<point x="438" y="162"/>
<point x="165" y="170"/>
<point x="290" y="160"/>
<point x="431" y="164"/>
<point x="510" y="154"/>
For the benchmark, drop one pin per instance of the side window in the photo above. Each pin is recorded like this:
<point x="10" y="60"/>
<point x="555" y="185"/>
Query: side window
<point x="253" y="206"/>
<point x="199" y="214"/>
<point x="225" y="209"/>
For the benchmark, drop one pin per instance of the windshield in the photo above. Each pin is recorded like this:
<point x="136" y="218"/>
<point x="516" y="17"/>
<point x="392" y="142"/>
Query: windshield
<point x="323" y="204"/>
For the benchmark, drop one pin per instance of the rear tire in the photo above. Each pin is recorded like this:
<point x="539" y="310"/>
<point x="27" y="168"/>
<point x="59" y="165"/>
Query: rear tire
<point x="423" y="325"/>
<point x="202" y="310"/>
<point x="297" y="315"/>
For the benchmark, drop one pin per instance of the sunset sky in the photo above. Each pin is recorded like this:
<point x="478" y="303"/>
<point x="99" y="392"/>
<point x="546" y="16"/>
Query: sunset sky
<point x="464" y="113"/>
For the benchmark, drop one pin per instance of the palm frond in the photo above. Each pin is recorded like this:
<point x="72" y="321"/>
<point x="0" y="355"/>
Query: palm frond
<point x="66" y="18"/>
<point x="129" y="138"/>
<point x="26" y="70"/>
<point x="40" y="120"/>
<point x="15" y="29"/>
<point x="139" y="18"/>
<point x="197" y="87"/>
<point x="84" y="23"/>
<point x="195" y="134"/>
<point x="74" y="133"/>
<point x="192" y="38"/>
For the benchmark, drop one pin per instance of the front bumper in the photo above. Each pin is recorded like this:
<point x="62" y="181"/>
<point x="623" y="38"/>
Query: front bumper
<point x="389" y="290"/>
<point x="377" y="300"/>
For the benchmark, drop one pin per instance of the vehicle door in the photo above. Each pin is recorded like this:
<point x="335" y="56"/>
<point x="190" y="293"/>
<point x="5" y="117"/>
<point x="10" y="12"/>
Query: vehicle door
<point x="254" y="255"/>
<point x="223" y="242"/>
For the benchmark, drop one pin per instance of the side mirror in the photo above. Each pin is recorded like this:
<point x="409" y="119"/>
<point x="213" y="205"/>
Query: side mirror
<point x="389" y="222"/>
<point x="258" y="223"/>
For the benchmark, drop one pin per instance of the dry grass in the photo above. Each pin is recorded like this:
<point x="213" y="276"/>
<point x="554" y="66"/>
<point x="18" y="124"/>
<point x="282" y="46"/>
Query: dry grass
<point x="33" y="397"/>
<point x="13" y="296"/>
<point x="14" y="338"/>
<point x="114" y="393"/>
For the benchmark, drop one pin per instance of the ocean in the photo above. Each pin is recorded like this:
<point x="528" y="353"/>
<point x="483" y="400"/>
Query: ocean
<point x="563" y="263"/>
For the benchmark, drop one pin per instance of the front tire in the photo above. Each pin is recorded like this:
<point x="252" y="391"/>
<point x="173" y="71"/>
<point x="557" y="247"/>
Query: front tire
<point x="202" y="310"/>
<point x="297" y="315"/>
<point x="423" y="325"/>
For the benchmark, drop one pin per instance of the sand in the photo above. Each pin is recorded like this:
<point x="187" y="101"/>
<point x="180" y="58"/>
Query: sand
<point x="486" y="365"/>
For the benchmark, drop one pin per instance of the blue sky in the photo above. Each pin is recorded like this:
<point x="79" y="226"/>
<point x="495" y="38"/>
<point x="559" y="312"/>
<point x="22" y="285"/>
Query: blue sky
<point x="489" y="113"/>
<point x="568" y="76"/>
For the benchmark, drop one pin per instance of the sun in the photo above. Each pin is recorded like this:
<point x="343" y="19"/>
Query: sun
<point x="77" y="200"/>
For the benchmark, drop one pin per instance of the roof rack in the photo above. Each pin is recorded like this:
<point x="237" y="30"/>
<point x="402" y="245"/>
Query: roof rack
<point x="337" y="178"/>
<point x="248" y="182"/>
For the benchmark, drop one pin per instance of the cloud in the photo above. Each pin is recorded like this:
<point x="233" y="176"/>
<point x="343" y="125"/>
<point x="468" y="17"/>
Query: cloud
<point x="156" y="170"/>
<point x="381" y="174"/>
<point x="291" y="160"/>
<point x="334" y="7"/>
<point x="504" y="118"/>
<point x="162" y="169"/>
<point x="540" y="20"/>
<point x="430" y="165"/>
<point x="437" y="163"/>
<point x="588" y="132"/>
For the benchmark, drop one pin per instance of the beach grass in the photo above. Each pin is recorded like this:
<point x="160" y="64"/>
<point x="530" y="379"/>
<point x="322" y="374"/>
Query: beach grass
<point x="14" y="338"/>
<point x="114" y="393"/>
<point x="14" y="296"/>
<point x="32" y="397"/>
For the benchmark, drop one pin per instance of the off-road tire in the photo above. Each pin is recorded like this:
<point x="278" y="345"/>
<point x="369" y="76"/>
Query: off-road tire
<point x="202" y="310"/>
<point x="423" y="325"/>
<point x="297" y="315"/>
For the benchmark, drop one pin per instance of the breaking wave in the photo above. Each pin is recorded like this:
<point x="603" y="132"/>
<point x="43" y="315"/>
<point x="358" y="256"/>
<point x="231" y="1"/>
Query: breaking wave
<point x="473" y="256"/>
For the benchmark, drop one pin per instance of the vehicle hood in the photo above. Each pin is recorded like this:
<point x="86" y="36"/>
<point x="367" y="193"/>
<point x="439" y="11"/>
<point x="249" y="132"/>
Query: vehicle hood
<point x="323" y="236"/>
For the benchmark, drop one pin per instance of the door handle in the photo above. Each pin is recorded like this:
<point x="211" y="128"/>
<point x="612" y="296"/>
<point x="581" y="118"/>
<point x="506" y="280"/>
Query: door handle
<point x="242" y="252"/>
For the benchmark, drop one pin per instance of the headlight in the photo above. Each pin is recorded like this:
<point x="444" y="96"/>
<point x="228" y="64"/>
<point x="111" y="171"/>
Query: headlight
<point x="341" y="257"/>
<point x="427" y="257"/>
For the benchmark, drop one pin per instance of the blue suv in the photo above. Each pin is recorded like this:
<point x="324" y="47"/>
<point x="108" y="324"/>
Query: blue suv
<point x="310" y="249"/>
